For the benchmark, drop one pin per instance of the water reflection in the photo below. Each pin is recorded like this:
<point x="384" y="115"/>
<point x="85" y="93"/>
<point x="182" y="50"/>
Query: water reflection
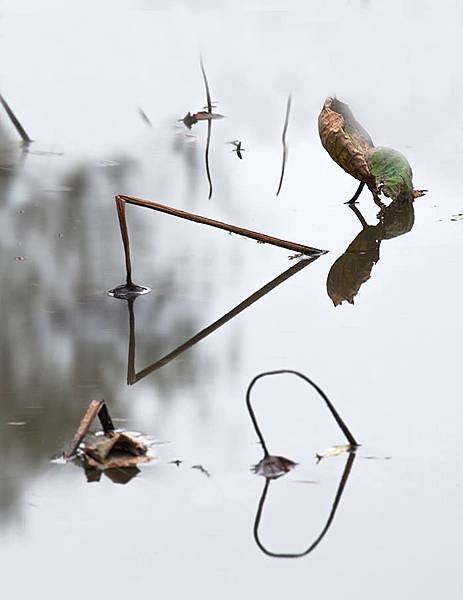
<point x="133" y="376"/>
<point x="121" y="476"/>
<point x="353" y="268"/>
<point x="12" y="152"/>
<point x="334" y="507"/>
<point x="204" y="115"/>
<point x="60" y="344"/>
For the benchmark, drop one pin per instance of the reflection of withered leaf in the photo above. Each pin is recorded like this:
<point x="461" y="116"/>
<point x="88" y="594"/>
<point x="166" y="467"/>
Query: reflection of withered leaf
<point x="350" y="271"/>
<point x="397" y="219"/>
<point x="117" y="475"/>
<point x="345" y="140"/>
<point x="353" y="268"/>
<point x="273" y="467"/>
<point x="122" y="476"/>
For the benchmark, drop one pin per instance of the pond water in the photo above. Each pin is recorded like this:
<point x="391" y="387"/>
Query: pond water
<point x="77" y="76"/>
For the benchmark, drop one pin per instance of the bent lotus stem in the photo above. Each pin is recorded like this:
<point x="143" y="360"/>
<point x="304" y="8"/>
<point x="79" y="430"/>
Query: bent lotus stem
<point x="356" y="196"/>
<point x="182" y="214"/>
<point x="342" y="425"/>
<point x="130" y="289"/>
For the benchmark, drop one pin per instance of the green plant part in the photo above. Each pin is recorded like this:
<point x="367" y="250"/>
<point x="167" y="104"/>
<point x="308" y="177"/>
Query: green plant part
<point x="392" y="173"/>
<point x="383" y="170"/>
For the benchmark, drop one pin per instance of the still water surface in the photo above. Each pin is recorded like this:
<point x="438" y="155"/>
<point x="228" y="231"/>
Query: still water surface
<point x="76" y="76"/>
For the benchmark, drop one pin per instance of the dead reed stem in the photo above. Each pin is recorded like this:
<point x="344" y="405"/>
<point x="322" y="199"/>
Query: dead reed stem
<point x="175" y="212"/>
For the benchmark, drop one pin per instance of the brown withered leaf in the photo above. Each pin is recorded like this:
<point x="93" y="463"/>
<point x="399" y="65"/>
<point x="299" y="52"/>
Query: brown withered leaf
<point x="272" y="466"/>
<point x="345" y="140"/>
<point x="203" y="115"/>
<point x="114" y="450"/>
<point x="384" y="170"/>
<point x="191" y="119"/>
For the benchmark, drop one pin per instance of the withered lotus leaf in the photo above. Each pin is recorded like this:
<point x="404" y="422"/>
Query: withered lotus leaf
<point x="345" y="140"/>
<point x="383" y="170"/>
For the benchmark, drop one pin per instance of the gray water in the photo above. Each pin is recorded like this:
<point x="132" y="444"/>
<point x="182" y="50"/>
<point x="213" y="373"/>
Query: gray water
<point x="76" y="74"/>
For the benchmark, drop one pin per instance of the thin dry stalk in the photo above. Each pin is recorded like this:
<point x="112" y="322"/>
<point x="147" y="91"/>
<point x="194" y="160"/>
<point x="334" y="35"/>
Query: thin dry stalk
<point x="209" y="127"/>
<point x="283" y="141"/>
<point x="14" y="119"/>
<point x="175" y="212"/>
<point x="92" y="411"/>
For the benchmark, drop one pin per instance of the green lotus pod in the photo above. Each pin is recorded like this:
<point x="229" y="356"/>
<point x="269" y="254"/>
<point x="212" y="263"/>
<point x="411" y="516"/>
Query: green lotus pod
<point x="392" y="173"/>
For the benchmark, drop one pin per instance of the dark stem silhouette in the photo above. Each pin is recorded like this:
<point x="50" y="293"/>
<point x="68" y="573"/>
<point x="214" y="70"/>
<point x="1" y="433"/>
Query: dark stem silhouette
<point x="134" y="377"/>
<point x="283" y="141"/>
<point x="334" y="507"/>
<point x="342" y="425"/>
<point x="356" y="196"/>
<point x="14" y="119"/>
<point x="209" y="127"/>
